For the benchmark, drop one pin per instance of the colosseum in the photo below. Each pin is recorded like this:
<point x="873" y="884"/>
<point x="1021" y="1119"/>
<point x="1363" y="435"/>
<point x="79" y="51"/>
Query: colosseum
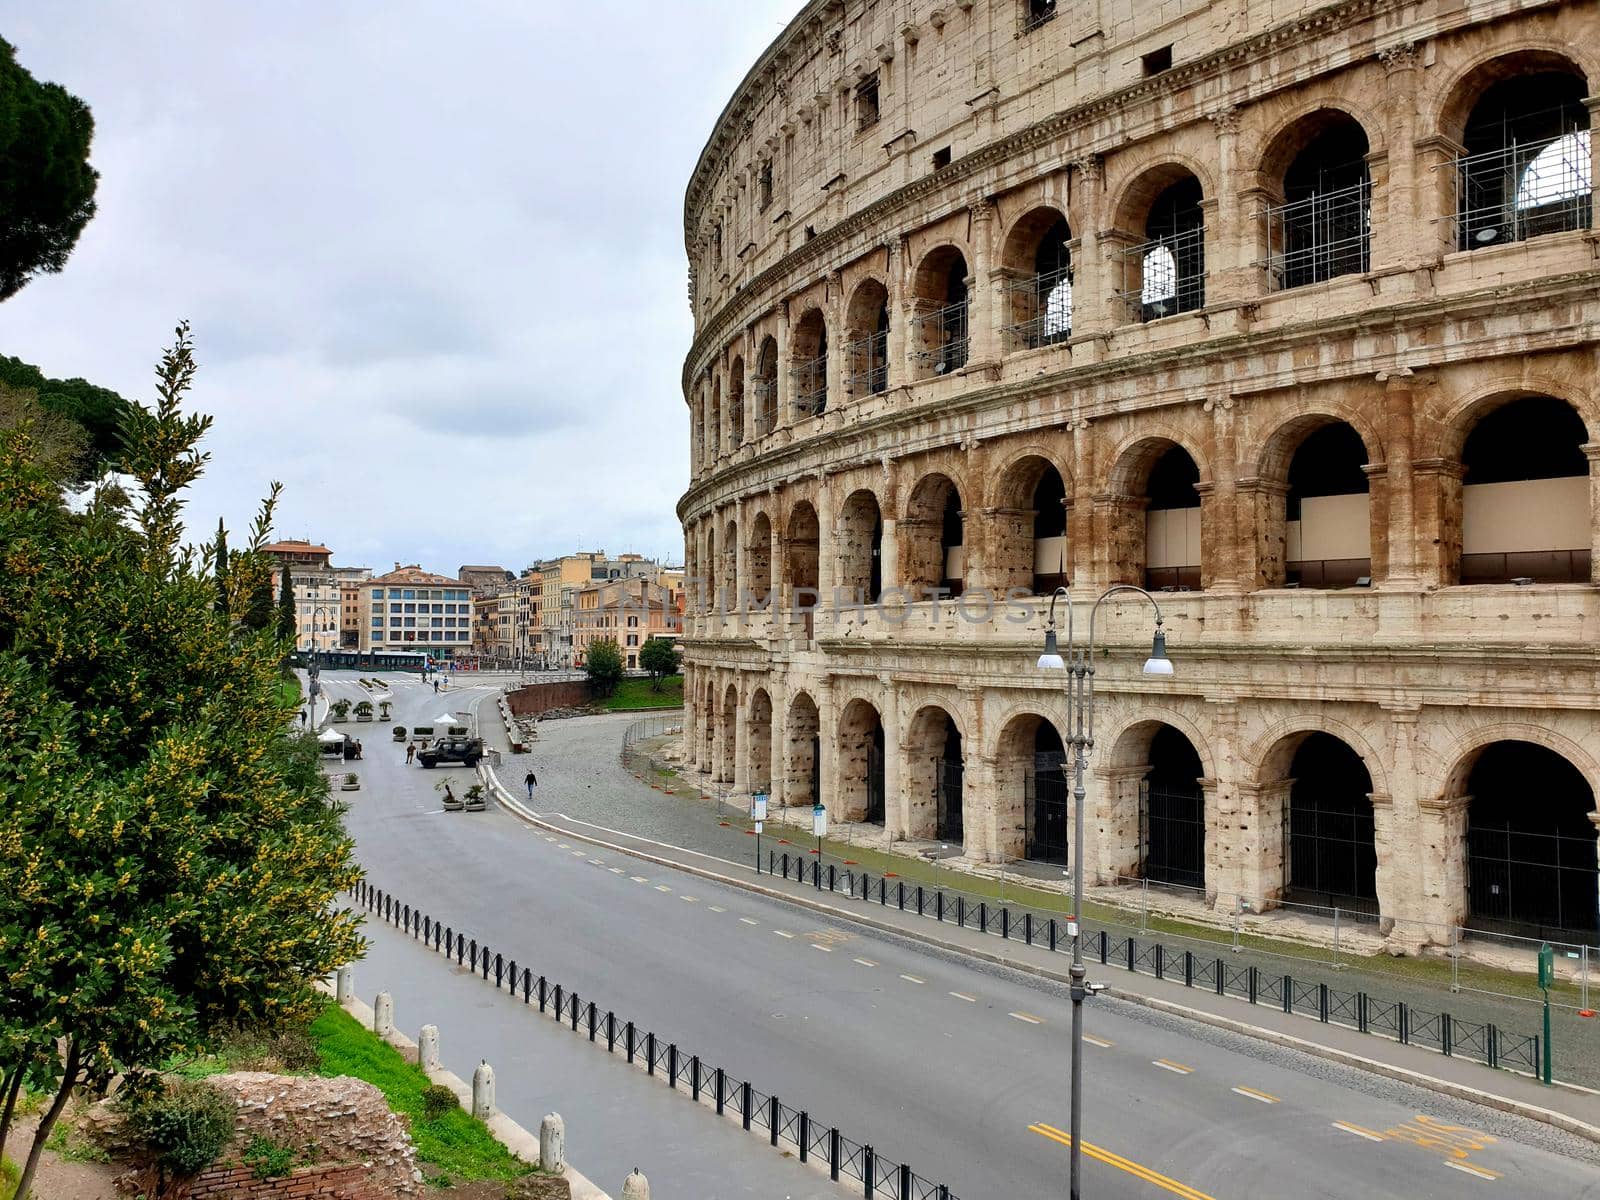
<point x="1286" y="311"/>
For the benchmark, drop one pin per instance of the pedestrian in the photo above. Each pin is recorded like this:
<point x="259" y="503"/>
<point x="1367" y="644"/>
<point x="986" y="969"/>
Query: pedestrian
<point x="302" y="718"/>
<point x="411" y="752"/>
<point x="531" y="782"/>
<point x="358" y="747"/>
<point x="435" y="685"/>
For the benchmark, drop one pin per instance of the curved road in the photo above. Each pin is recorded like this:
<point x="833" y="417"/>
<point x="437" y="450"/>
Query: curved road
<point x="956" y="1068"/>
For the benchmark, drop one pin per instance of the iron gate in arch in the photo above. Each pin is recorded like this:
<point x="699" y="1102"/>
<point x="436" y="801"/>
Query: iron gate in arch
<point x="1332" y="854"/>
<point x="1173" y="831"/>
<point x="1543" y="882"/>
<point x="876" y="808"/>
<point x="1047" y="836"/>
<point x="947" y="787"/>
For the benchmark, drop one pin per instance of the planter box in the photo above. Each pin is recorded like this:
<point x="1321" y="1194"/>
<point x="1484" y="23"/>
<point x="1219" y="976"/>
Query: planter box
<point x="350" y="787"/>
<point x="365" y="717"/>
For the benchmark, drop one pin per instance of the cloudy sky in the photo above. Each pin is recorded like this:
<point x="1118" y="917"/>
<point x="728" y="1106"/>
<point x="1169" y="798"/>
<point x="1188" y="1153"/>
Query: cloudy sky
<point x="432" y="254"/>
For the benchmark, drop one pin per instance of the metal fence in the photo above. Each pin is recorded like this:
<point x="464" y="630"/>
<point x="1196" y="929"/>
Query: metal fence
<point x="736" y="1099"/>
<point x="1408" y="1024"/>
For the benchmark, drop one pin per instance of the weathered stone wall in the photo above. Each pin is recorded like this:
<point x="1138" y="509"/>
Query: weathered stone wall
<point x="538" y="698"/>
<point x="347" y="1181"/>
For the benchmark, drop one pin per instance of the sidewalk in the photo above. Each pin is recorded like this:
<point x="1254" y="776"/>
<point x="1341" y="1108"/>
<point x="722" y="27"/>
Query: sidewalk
<point x="690" y="835"/>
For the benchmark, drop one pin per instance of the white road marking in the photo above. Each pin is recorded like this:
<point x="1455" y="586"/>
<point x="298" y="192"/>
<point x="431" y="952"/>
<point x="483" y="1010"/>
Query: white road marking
<point x="616" y="870"/>
<point x="564" y="846"/>
<point x="1094" y="1041"/>
<point x="1175" y="1068"/>
<point x="715" y="908"/>
<point x="638" y="878"/>
<point x="661" y="887"/>
<point x="782" y="934"/>
<point x="1252" y="1094"/>
<point x="911" y="979"/>
<point x="1472" y="1170"/>
<point x="577" y="854"/>
<point x="824" y="949"/>
<point x="866" y="962"/>
<point x="690" y="899"/>
<point x="1358" y="1131"/>
<point x="1029" y="1018"/>
<point x="596" y="862"/>
<point x="749" y="921"/>
<point x="964" y="996"/>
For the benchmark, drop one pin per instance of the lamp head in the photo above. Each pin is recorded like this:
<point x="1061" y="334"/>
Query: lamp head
<point x="1051" y="659"/>
<point x="1158" y="663"/>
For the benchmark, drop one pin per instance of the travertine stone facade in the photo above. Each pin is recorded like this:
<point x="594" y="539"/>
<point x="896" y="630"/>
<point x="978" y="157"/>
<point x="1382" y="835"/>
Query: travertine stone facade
<point x="1300" y="332"/>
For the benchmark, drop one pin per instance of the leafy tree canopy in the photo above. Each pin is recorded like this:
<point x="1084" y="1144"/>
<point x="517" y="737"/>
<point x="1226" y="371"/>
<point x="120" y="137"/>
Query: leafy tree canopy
<point x="660" y="658"/>
<point x="46" y="182"/>
<point x="170" y="857"/>
<point x="603" y="661"/>
<point x="99" y="411"/>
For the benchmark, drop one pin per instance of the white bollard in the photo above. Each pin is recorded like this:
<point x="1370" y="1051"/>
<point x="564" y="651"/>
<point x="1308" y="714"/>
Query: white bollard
<point x="383" y="1015"/>
<point x="483" y="1091"/>
<point x="553" y="1143"/>
<point x="344" y="986"/>
<point x="428" y="1049"/>
<point x="635" y="1187"/>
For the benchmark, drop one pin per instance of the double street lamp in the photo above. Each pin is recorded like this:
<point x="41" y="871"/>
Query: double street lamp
<point x="1078" y="663"/>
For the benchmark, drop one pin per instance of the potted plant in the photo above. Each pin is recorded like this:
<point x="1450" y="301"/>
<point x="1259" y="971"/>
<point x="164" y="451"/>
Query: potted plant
<point x="399" y="733"/>
<point x="351" y="783"/>
<point x="364" y="711"/>
<point x="473" y="801"/>
<point x="383" y="710"/>
<point x="340" y="709"/>
<point x="452" y="802"/>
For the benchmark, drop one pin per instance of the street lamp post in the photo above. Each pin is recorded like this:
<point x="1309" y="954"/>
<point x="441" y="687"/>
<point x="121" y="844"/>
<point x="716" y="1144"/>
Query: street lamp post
<point x="312" y="671"/>
<point x="1078" y="663"/>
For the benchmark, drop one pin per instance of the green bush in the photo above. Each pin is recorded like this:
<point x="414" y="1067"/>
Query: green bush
<point x="184" y="1125"/>
<point x="437" y="1100"/>
<point x="268" y="1159"/>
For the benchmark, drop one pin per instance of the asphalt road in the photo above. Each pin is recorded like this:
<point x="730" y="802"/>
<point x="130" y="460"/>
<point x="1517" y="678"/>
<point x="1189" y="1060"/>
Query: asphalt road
<point x="956" y="1068"/>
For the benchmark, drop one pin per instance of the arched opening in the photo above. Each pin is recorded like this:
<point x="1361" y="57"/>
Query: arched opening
<point x="939" y="302"/>
<point x="729" y="579"/>
<point x="867" y="339"/>
<point x="727" y="734"/>
<point x="861" y="764"/>
<point x="758" y="561"/>
<point x="934" y="777"/>
<point x="802" y="756"/>
<point x="1165" y="273"/>
<point x="713" y="718"/>
<point x="1531" y="862"/>
<point x="800" y="550"/>
<point x="764" y="388"/>
<point x="1327" y="511"/>
<point x="861" y="547"/>
<point x="1172" y="523"/>
<point x="1526" y="168"/>
<point x="713" y="567"/>
<point x="1330" y="854"/>
<point x="1323" y="227"/>
<point x="1038" y="260"/>
<point x="736" y="404"/>
<point x="1153" y="816"/>
<point x="932" y="540"/>
<point x="808" y="365"/>
<point x="1525" y="495"/>
<point x="758" y="739"/>
<point x="1028" y="536"/>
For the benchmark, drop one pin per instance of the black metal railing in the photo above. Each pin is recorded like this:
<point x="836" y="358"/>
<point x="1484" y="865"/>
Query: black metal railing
<point x="1359" y="1010"/>
<point x="732" y="1098"/>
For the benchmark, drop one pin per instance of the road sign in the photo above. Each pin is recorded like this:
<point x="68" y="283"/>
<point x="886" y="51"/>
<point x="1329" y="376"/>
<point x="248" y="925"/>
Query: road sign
<point x="758" y="807"/>
<point x="759" y="825"/>
<point x="819" y="821"/>
<point x="1547" y="966"/>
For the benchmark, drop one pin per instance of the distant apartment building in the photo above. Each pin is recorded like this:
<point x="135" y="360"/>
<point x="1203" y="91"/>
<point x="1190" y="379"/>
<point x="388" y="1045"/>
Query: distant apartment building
<point x="318" y="601"/>
<point x="413" y="609"/>
<point x="629" y="611"/>
<point x="350" y="580"/>
<point x="484" y="580"/>
<point x="554" y="596"/>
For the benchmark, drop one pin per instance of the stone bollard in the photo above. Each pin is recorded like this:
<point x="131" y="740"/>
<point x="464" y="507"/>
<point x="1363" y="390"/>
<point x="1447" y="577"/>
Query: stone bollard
<point x="483" y="1091"/>
<point x="383" y="1015"/>
<point x="344" y="987"/>
<point x="553" y="1144"/>
<point x="428" y="1049"/>
<point x="635" y="1187"/>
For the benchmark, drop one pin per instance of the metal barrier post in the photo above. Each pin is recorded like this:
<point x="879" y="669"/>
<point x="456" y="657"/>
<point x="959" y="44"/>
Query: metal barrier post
<point x="1222" y="977"/>
<point x="905" y="1182"/>
<point x="694" y="1077"/>
<point x="1188" y="968"/>
<point x="1161" y="961"/>
<point x="1361" y="1012"/>
<point x="1491" y="1045"/>
<point x="805" y="1135"/>
<point x="1405" y="1023"/>
<point x="575" y="1012"/>
<point x="1322" y="1003"/>
<point x="983" y="916"/>
<point x="1254" y="984"/>
<point x="1005" y="924"/>
<point x="938" y="906"/>
<point x="650" y="1054"/>
<point x="1053" y="935"/>
<point x="611" y="1032"/>
<point x="773" y="1109"/>
<point x="719" y="1082"/>
<point x="869" y="1170"/>
<point x="1446" y="1035"/>
<point x="744" y="1106"/>
<point x="919" y="900"/>
<point x="672" y="1064"/>
<point x="544" y="988"/>
<point x="833" y="1155"/>
<point x="1027" y="928"/>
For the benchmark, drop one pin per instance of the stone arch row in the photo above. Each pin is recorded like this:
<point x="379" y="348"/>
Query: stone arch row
<point x="1512" y="487"/>
<point x="1316" y="166"/>
<point x="1306" y="817"/>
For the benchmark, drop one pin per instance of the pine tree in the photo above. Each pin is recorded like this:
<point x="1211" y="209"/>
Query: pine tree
<point x="287" y="622"/>
<point x="220" y="559"/>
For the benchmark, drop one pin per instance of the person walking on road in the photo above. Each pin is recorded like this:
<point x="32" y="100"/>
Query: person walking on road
<point x="436" y="685"/>
<point x="302" y="718"/>
<point x="531" y="782"/>
<point x="411" y="752"/>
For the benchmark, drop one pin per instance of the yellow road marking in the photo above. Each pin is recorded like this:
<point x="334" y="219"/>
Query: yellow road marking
<point x="866" y="962"/>
<point x="781" y="933"/>
<point x="1029" y="1018"/>
<point x="1094" y="1041"/>
<point x="1175" y="1068"/>
<point x="1123" y="1164"/>
<point x="911" y="979"/>
<point x="1358" y="1131"/>
<point x="964" y="996"/>
<point x="1252" y="1094"/>
<point x="1480" y="1172"/>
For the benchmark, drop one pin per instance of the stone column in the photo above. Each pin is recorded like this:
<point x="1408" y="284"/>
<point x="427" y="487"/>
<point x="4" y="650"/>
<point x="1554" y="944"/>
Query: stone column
<point x="1258" y="875"/>
<point x="1436" y="485"/>
<point x="1591" y="451"/>
<point x="553" y="1144"/>
<point x="751" y="348"/>
<point x="778" y="774"/>
<point x="1398" y="835"/>
<point x="827" y="552"/>
<point x="1119" y="541"/>
<point x="1402" y="534"/>
<point x="833" y="308"/>
<point x="980" y="806"/>
<point x="981" y="293"/>
<point x="1397" y="234"/>
<point x="783" y="389"/>
<point x="1093" y="281"/>
<point x="1232" y="278"/>
<point x="483" y="1099"/>
<point x="1442" y="822"/>
<point x="895" y="351"/>
<point x="1081" y="510"/>
<point x="741" y="741"/>
<point x="1220" y="529"/>
<point x="897" y="804"/>
<point x="1119" y="849"/>
<point x="828" y="749"/>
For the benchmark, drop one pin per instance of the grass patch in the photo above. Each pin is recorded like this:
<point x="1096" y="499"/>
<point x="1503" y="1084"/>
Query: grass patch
<point x="455" y="1144"/>
<point x="9" y="1174"/>
<point x="66" y="1140"/>
<point x="635" y="694"/>
<point x="289" y="691"/>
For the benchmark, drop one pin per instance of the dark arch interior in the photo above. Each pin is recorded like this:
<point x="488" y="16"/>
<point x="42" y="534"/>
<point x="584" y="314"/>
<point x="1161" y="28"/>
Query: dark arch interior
<point x="1049" y="505"/>
<point x="1172" y="480"/>
<point x="1173" y="261"/>
<point x="1324" y="226"/>
<point x="1526" y="108"/>
<point x="1335" y="158"/>
<point x="1047" y="836"/>
<point x="951" y="537"/>
<point x="1327" y="463"/>
<point x="1530" y="843"/>
<point x="1174" y="833"/>
<point x="1526" y="169"/>
<point x="1052" y="256"/>
<point x="1535" y="437"/>
<point x="948" y="785"/>
<point x="1332" y="856"/>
